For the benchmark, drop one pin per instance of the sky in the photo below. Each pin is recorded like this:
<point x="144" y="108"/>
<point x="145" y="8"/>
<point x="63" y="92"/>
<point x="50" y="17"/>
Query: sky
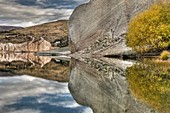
<point x="26" y="94"/>
<point x="32" y="12"/>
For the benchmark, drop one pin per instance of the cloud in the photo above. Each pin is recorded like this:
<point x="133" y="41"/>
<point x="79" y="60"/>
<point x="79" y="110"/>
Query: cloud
<point x="31" y="12"/>
<point x="25" y="111"/>
<point x="88" y="110"/>
<point x="25" y="94"/>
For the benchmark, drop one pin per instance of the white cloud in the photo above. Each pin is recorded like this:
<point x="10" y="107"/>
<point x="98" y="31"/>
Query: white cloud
<point x="43" y="93"/>
<point x="25" y="111"/>
<point x="13" y="13"/>
<point x="13" y="88"/>
<point x="26" y="15"/>
<point x="88" y="110"/>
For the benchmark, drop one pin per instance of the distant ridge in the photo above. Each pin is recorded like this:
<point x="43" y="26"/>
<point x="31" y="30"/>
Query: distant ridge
<point x="51" y="32"/>
<point x="9" y="28"/>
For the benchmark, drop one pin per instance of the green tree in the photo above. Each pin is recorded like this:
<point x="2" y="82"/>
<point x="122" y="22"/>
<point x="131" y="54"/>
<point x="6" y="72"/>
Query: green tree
<point x="150" y="30"/>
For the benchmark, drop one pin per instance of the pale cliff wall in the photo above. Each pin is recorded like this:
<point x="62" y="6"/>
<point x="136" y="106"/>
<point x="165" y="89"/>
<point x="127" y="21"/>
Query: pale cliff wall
<point x="31" y="46"/>
<point x="99" y="27"/>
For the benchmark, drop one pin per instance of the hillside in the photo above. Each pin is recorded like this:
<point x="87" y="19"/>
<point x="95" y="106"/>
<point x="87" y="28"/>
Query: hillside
<point x="8" y="28"/>
<point x="49" y="31"/>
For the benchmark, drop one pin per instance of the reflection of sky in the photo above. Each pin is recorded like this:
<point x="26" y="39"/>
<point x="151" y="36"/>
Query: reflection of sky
<point x="25" y="94"/>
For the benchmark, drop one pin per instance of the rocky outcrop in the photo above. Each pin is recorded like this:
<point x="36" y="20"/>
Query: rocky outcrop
<point x="99" y="27"/>
<point x="104" y="87"/>
<point x="31" y="46"/>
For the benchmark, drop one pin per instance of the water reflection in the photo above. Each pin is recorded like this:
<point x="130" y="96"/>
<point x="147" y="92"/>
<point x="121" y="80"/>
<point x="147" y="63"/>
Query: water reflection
<point x="105" y="85"/>
<point x="25" y="94"/>
<point x="39" y="66"/>
<point x="113" y="86"/>
<point x="149" y="81"/>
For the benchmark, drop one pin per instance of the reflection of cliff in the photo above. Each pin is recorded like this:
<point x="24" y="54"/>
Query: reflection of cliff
<point x="31" y="46"/>
<point x="24" y="57"/>
<point x="104" y="93"/>
<point x="28" y="63"/>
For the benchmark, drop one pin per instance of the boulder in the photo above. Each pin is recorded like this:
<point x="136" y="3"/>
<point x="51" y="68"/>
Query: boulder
<point x="100" y="26"/>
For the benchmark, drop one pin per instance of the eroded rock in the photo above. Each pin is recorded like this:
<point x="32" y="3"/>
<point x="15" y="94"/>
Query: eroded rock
<point x="31" y="46"/>
<point x="99" y="27"/>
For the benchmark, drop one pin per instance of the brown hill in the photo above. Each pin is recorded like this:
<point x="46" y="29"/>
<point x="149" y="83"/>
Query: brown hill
<point x="49" y="31"/>
<point x="8" y="28"/>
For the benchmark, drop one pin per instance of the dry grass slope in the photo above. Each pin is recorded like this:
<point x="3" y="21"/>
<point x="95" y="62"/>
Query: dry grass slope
<point x="49" y="31"/>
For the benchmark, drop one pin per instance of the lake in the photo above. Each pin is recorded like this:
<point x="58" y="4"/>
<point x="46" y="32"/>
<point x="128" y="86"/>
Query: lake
<point x="105" y="85"/>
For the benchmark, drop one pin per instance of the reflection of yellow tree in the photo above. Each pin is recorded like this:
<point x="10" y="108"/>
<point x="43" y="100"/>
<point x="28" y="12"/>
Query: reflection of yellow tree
<point x="150" y="82"/>
<point x="150" y="29"/>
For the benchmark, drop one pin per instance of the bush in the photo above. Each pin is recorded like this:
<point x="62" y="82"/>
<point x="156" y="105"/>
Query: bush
<point x="164" y="55"/>
<point x="150" y="30"/>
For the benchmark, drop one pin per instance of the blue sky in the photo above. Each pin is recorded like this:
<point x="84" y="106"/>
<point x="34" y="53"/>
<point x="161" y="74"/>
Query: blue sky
<point x="31" y="12"/>
<point x="26" y="94"/>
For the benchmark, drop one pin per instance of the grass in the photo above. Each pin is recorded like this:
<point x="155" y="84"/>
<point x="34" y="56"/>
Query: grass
<point x="49" y="31"/>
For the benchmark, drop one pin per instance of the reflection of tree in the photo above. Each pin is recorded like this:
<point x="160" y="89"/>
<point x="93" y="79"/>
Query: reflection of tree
<point x="150" y="82"/>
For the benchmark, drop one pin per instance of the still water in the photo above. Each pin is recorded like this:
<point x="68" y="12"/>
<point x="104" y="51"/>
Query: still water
<point x="26" y="94"/>
<point x="49" y="85"/>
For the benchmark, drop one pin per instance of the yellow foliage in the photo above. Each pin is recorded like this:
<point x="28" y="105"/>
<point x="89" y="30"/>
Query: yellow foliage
<point x="150" y="29"/>
<point x="164" y="55"/>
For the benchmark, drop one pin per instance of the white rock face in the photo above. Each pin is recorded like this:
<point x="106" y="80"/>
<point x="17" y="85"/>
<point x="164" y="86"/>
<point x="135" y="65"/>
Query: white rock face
<point x="14" y="52"/>
<point x="32" y="46"/>
<point x="99" y="27"/>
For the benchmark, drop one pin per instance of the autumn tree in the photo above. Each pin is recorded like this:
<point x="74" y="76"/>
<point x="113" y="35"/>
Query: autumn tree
<point x="150" y="30"/>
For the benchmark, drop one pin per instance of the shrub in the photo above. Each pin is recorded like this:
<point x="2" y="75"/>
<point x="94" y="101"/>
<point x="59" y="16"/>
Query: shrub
<point x="164" y="55"/>
<point x="150" y="30"/>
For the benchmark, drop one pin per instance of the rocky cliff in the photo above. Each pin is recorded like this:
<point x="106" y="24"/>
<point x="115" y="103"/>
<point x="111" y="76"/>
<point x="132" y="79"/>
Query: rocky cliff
<point x="30" y="46"/>
<point x="99" y="27"/>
